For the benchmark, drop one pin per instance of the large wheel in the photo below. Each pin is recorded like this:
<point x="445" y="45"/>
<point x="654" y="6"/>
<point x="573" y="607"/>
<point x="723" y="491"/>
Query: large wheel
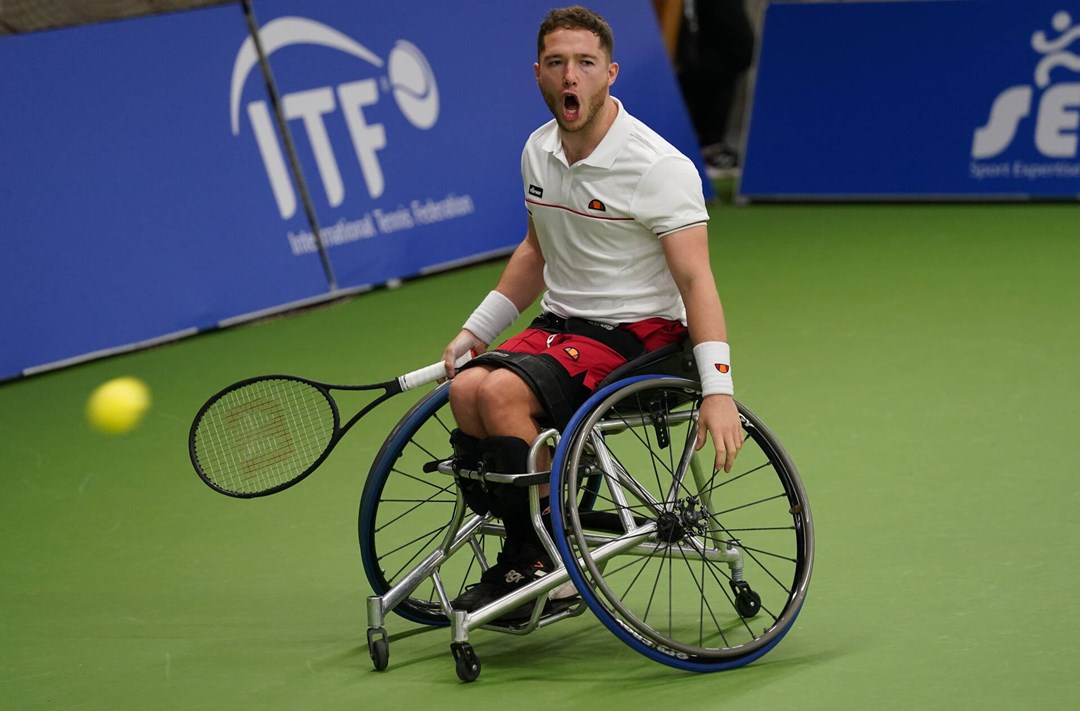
<point x="406" y="508"/>
<point x="657" y="559"/>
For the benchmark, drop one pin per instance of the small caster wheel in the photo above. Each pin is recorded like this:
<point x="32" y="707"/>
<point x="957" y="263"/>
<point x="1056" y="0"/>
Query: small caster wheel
<point x="747" y="603"/>
<point x="378" y="648"/>
<point x="466" y="662"/>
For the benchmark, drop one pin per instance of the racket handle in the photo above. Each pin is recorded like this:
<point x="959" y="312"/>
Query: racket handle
<point x="429" y="374"/>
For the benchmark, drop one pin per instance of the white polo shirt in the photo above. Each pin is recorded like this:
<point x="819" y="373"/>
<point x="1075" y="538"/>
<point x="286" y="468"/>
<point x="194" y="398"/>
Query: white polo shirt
<point x="600" y="221"/>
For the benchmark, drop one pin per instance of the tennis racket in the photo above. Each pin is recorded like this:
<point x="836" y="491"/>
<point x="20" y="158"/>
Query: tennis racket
<point x="262" y="435"/>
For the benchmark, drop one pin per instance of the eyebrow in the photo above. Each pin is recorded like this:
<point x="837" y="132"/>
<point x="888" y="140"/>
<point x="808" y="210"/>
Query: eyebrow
<point x="578" y="55"/>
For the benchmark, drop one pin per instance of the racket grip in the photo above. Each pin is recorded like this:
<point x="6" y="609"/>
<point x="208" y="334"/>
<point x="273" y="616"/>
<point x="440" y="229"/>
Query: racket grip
<point x="429" y="374"/>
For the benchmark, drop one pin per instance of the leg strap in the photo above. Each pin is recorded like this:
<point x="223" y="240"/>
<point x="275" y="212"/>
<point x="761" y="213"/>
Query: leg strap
<point x="467" y="456"/>
<point x="509" y="455"/>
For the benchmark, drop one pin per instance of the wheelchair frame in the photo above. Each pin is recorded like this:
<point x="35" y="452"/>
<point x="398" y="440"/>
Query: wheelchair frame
<point x="624" y="508"/>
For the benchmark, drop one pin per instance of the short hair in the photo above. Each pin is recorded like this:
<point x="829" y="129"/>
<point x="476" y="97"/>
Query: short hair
<point x="576" y="18"/>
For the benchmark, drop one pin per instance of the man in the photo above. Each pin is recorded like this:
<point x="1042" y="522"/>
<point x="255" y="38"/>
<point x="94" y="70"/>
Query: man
<point x="715" y="49"/>
<point x="617" y="245"/>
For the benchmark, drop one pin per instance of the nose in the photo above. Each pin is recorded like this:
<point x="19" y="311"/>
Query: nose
<point x="569" y="75"/>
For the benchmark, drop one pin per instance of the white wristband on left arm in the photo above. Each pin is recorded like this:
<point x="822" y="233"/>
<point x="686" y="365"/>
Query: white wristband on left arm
<point x="714" y="368"/>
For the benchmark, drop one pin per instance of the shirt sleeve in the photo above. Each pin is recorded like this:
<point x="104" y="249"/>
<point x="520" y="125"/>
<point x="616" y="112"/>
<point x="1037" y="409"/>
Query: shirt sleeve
<point x="524" y="176"/>
<point x="669" y="196"/>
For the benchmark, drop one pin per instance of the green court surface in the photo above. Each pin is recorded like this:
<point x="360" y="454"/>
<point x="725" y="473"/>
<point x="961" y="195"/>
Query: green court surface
<point x="918" y="362"/>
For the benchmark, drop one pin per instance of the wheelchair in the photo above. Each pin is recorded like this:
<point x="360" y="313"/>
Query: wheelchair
<point x="694" y="568"/>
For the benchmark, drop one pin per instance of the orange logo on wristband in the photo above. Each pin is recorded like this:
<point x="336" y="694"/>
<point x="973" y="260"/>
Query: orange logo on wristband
<point x="723" y="367"/>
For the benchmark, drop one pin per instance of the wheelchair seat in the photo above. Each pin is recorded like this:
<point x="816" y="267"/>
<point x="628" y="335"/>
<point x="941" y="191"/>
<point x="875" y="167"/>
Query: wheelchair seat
<point x="675" y="359"/>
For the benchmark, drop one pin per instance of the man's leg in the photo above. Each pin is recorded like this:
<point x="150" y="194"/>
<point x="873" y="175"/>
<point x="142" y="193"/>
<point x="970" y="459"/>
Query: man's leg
<point x="503" y="411"/>
<point x="464" y="395"/>
<point x="509" y="411"/>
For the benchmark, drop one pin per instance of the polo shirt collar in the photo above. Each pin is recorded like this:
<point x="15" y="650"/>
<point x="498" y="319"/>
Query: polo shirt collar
<point x="604" y="155"/>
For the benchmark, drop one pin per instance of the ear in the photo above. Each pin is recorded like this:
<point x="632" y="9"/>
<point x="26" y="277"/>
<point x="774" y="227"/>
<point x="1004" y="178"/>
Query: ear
<point x="613" y="71"/>
<point x="536" y="71"/>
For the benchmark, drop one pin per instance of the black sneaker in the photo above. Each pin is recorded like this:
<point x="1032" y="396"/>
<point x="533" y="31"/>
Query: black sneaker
<point x="500" y="580"/>
<point x="475" y="596"/>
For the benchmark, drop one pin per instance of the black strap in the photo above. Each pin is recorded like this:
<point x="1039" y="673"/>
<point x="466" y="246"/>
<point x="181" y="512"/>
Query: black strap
<point x="617" y="339"/>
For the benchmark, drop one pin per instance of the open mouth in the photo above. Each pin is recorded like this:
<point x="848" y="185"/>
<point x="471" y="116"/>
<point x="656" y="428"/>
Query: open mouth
<point x="571" y="107"/>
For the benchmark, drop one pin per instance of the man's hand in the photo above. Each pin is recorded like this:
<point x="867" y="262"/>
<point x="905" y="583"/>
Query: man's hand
<point x="720" y="418"/>
<point x="464" y="342"/>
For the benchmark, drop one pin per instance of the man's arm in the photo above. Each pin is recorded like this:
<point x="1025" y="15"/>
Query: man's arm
<point x="687" y="254"/>
<point x="523" y="279"/>
<point x="521" y="283"/>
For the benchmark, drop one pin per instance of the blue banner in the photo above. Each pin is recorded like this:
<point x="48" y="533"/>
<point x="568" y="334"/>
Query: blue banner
<point x="409" y="119"/>
<point x="146" y="190"/>
<point x="127" y="211"/>
<point x="950" y="99"/>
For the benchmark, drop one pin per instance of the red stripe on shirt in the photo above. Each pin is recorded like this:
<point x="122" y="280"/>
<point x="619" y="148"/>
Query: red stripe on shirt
<point x="583" y="214"/>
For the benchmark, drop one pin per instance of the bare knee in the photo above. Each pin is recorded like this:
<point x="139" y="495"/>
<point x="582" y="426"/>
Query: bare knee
<point x="464" y="395"/>
<point x="464" y="387"/>
<point x="506" y="403"/>
<point x="493" y="402"/>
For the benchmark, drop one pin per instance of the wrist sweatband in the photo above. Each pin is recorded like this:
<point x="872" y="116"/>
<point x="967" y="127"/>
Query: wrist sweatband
<point x="493" y="316"/>
<point x="714" y="367"/>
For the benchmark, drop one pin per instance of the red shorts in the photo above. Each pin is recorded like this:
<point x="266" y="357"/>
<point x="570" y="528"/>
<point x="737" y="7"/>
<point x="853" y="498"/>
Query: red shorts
<point x="564" y="360"/>
<point x="587" y="360"/>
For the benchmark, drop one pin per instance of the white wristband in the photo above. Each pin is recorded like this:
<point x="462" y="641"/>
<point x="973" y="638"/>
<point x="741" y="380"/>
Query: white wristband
<point x="714" y="367"/>
<point x="493" y="316"/>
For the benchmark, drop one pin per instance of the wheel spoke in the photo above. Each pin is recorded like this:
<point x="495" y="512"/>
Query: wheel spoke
<point x="686" y="592"/>
<point x="406" y="513"/>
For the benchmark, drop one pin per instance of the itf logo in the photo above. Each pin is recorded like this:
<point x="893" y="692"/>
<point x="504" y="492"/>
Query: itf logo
<point x="1057" y="116"/>
<point x="408" y="77"/>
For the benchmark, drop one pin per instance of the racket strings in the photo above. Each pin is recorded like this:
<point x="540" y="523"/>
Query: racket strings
<point x="263" y="435"/>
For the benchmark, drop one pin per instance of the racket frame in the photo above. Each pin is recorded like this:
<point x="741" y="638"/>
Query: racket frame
<point x="390" y="387"/>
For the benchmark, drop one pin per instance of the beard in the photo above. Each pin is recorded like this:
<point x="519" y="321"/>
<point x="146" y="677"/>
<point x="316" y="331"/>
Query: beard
<point x="586" y="113"/>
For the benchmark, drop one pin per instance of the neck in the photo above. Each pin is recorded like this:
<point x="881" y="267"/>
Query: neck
<point x="578" y="145"/>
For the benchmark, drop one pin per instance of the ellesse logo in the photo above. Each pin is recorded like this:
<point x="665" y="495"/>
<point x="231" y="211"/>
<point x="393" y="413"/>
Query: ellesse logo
<point x="723" y="367"/>
<point x="595" y="204"/>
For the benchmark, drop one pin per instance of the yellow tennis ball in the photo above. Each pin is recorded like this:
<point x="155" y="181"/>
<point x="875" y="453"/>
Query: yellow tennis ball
<point x="118" y="405"/>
